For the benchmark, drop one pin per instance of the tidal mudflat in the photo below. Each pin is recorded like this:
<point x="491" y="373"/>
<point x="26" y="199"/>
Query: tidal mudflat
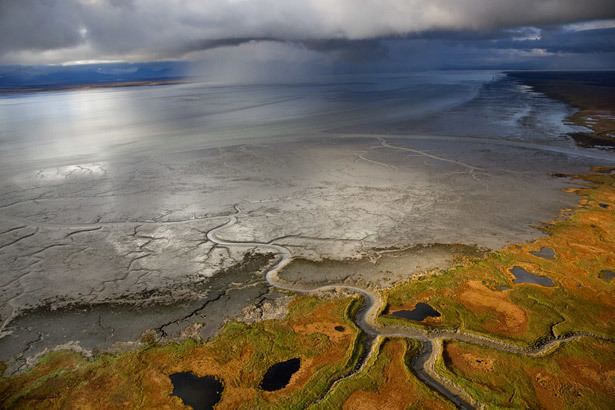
<point x="143" y="240"/>
<point x="590" y="93"/>
<point x="151" y="257"/>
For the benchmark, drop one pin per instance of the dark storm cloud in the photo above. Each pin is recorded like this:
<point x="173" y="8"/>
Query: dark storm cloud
<point x="523" y="48"/>
<point x="349" y="50"/>
<point x="550" y="38"/>
<point x="37" y="25"/>
<point x="57" y="30"/>
<point x="558" y="41"/>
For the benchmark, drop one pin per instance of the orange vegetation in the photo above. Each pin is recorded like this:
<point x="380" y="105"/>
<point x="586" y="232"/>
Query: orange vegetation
<point x="238" y="357"/>
<point x="398" y="389"/>
<point x="479" y="297"/>
<point x="481" y="294"/>
<point x="581" y="374"/>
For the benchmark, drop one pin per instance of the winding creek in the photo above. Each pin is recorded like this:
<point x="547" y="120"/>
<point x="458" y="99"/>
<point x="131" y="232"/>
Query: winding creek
<point x="431" y="340"/>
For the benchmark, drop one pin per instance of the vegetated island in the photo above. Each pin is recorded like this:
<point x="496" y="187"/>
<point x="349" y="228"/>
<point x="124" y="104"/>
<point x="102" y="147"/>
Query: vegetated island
<point x="486" y="332"/>
<point x="592" y="93"/>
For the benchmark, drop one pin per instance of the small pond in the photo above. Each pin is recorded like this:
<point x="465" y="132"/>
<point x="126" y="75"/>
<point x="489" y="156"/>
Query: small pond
<point x="545" y="253"/>
<point x="523" y="276"/>
<point x="606" y="275"/>
<point x="420" y="312"/>
<point x="278" y="375"/>
<point x="200" y="393"/>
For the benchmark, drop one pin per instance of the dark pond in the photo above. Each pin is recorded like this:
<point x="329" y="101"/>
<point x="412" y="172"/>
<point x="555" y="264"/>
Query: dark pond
<point x="607" y="275"/>
<point x="200" y="393"/>
<point x="603" y="205"/>
<point x="546" y="253"/>
<point x="420" y="312"/>
<point x="523" y="276"/>
<point x="278" y="375"/>
<point x="340" y="328"/>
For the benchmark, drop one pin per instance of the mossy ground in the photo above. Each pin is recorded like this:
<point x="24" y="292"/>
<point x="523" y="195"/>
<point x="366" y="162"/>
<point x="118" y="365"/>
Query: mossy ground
<point x="480" y="295"/>
<point x="579" y="375"/>
<point x="239" y="356"/>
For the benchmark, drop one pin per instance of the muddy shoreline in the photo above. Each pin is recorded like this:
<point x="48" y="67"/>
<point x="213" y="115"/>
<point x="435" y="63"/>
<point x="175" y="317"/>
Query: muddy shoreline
<point x="592" y="95"/>
<point x="419" y="198"/>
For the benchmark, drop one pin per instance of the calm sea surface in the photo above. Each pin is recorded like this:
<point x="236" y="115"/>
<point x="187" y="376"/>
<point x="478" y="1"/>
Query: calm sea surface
<point x="101" y="124"/>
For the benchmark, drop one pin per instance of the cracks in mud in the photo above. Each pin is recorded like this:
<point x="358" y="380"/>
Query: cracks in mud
<point x="84" y="230"/>
<point x="19" y="239"/>
<point x="74" y="243"/>
<point x="21" y="358"/>
<point x="99" y="223"/>
<point x="161" y="329"/>
<point x="13" y="229"/>
<point x="314" y="238"/>
<point x="228" y="280"/>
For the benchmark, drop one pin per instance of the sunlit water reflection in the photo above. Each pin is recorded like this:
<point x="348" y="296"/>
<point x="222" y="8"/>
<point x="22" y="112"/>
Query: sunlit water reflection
<point x="69" y="127"/>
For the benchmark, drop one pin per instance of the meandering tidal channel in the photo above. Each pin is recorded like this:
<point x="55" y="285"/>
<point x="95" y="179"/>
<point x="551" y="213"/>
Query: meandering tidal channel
<point x="431" y="340"/>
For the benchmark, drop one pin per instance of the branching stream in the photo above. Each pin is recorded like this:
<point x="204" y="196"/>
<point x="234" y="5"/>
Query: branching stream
<point x="366" y="319"/>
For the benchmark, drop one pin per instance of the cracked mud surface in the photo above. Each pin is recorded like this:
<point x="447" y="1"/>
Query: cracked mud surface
<point x="112" y="241"/>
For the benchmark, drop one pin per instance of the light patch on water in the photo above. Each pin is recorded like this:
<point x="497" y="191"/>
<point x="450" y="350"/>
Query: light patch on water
<point x="60" y="174"/>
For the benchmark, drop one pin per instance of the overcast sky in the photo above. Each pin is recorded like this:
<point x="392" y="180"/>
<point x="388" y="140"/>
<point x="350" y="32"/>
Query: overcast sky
<point x="412" y="33"/>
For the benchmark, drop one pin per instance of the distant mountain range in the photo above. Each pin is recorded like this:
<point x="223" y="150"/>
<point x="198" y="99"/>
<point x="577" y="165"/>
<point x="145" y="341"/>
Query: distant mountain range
<point x="16" y="77"/>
